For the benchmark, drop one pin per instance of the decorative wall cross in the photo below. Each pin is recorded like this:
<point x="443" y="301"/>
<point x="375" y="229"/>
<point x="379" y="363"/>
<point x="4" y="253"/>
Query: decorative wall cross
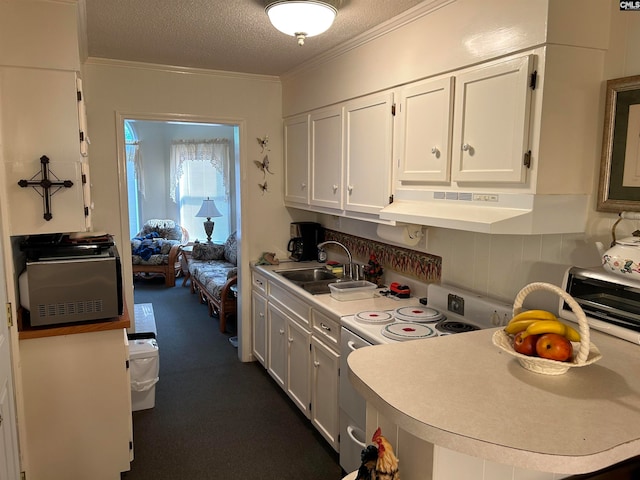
<point x="46" y="184"/>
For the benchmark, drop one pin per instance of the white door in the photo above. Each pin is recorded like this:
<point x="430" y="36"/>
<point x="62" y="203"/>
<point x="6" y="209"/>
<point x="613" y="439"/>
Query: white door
<point x="299" y="341"/>
<point x="326" y="158"/>
<point x="40" y="119"/>
<point x="368" y="126"/>
<point x="296" y="159"/>
<point x="277" y="350"/>
<point x="10" y="464"/>
<point x="259" y="327"/>
<point x="491" y="122"/>
<point x="324" y="400"/>
<point x="424" y="138"/>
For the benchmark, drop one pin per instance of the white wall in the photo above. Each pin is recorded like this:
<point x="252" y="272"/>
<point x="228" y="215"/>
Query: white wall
<point x="253" y="102"/>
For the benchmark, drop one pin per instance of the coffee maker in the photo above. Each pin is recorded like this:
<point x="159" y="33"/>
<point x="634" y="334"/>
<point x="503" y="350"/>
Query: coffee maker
<point x="305" y="237"/>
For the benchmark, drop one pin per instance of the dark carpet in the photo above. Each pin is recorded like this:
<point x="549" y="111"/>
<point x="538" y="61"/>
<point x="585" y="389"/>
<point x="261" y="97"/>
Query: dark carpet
<point x="216" y="417"/>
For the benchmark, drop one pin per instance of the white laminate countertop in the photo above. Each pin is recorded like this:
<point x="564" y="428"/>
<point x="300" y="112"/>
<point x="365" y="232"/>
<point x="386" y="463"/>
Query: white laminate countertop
<point x="463" y="393"/>
<point x="326" y="302"/>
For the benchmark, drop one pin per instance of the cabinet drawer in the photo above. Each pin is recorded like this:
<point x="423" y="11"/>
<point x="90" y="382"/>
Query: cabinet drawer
<point x="259" y="282"/>
<point x="326" y="328"/>
<point x="289" y="302"/>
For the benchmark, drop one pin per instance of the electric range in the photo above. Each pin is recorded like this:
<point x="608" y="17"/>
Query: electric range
<point x="448" y="310"/>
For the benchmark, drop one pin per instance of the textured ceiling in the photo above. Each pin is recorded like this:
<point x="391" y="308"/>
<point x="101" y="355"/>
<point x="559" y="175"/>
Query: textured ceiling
<point x="231" y="35"/>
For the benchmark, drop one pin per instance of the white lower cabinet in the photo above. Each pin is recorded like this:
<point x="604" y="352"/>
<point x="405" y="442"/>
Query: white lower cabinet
<point x="77" y="406"/>
<point x="259" y="327"/>
<point x="288" y="354"/>
<point x="325" y="364"/>
<point x="299" y="346"/>
<point x="277" y="344"/>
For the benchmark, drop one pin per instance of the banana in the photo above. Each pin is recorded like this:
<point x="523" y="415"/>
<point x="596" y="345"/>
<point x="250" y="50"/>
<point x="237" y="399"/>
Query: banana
<point x="519" y="325"/>
<point x="531" y="314"/>
<point x="572" y="335"/>
<point x="552" y="326"/>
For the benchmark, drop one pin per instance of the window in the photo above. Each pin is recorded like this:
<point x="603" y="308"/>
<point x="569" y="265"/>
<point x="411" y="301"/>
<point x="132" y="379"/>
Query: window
<point x="201" y="170"/>
<point x="134" y="176"/>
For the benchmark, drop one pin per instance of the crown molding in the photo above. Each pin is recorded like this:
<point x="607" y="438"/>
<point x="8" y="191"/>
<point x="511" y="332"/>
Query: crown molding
<point x="405" y="18"/>
<point x="109" y="62"/>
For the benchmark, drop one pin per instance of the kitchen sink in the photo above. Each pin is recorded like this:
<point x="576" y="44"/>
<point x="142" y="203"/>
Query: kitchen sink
<point x="314" y="280"/>
<point x="307" y="275"/>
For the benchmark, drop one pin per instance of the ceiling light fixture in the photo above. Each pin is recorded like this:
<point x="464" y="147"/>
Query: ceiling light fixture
<point x="301" y="19"/>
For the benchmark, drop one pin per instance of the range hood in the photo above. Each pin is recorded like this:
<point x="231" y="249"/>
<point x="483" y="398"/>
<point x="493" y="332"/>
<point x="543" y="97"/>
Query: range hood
<point x="509" y="214"/>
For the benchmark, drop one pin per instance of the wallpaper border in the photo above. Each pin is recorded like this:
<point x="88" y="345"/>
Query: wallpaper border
<point x="422" y="266"/>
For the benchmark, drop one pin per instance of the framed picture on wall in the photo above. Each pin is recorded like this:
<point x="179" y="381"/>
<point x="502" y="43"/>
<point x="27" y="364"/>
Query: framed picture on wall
<point x="619" y="188"/>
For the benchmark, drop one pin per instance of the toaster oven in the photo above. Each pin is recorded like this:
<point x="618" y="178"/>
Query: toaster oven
<point x="72" y="289"/>
<point x="610" y="301"/>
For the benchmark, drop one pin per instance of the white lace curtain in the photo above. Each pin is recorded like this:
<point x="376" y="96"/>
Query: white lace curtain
<point x="215" y="151"/>
<point x="134" y="156"/>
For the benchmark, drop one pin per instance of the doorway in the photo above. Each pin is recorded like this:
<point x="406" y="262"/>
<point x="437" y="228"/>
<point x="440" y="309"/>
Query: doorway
<point x="172" y="165"/>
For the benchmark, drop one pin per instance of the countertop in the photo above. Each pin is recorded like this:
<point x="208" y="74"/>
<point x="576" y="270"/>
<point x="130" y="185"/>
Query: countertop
<point x="116" y="323"/>
<point x="326" y="302"/>
<point x="463" y="393"/>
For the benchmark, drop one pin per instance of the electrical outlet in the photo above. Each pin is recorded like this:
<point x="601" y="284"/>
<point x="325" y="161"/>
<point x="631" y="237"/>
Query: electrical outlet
<point x="455" y="304"/>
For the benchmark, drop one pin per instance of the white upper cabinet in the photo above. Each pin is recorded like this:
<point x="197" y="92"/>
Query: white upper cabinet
<point x="491" y="121"/>
<point x="296" y="159"/>
<point x="423" y="141"/>
<point x="326" y="158"/>
<point x="368" y="127"/>
<point x="40" y="119"/>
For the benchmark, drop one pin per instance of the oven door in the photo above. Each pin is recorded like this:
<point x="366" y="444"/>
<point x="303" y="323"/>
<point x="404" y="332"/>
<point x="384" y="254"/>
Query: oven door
<point x="353" y="408"/>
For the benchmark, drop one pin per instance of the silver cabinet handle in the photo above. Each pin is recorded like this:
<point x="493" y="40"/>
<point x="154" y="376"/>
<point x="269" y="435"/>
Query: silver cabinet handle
<point x="350" y="188"/>
<point x="261" y="314"/>
<point x="351" y="430"/>
<point x="352" y="346"/>
<point x="465" y="147"/>
<point x="435" y="150"/>
<point x="303" y="185"/>
<point x="325" y="327"/>
<point x="281" y="331"/>
<point x="316" y="363"/>
<point x="259" y="283"/>
<point x="335" y="188"/>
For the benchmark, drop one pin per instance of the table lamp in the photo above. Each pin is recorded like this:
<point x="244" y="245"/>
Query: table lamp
<point x="208" y="210"/>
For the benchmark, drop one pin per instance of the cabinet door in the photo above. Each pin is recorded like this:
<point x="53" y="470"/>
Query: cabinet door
<point x="299" y="340"/>
<point x="259" y="327"/>
<point x="296" y="159"/>
<point x="39" y="117"/>
<point x="368" y="152"/>
<point x="424" y="137"/>
<point x="491" y="121"/>
<point x="277" y="349"/>
<point x="77" y="405"/>
<point x="324" y="391"/>
<point x="326" y="158"/>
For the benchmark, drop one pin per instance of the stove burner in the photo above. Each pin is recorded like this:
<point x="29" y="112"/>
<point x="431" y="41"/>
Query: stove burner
<point x="454" y="326"/>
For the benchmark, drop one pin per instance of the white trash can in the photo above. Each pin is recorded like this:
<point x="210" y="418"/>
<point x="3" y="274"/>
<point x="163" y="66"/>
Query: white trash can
<point x="144" y="366"/>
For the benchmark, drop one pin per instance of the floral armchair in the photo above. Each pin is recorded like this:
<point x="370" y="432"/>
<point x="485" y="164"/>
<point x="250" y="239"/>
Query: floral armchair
<point x="156" y="251"/>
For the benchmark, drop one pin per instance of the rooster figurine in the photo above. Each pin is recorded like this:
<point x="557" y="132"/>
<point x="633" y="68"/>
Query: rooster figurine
<point x="378" y="461"/>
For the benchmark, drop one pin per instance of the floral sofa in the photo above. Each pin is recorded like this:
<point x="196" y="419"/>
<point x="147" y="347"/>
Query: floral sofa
<point x="213" y="269"/>
<point x="155" y="250"/>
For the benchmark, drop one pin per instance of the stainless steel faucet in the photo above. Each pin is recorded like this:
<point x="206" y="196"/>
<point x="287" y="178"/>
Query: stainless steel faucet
<point x="354" y="271"/>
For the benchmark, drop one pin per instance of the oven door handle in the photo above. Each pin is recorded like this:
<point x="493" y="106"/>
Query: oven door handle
<point x="352" y="346"/>
<point x="351" y="430"/>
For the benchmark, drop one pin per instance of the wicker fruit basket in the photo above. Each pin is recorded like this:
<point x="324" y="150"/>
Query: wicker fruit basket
<point x="585" y="352"/>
